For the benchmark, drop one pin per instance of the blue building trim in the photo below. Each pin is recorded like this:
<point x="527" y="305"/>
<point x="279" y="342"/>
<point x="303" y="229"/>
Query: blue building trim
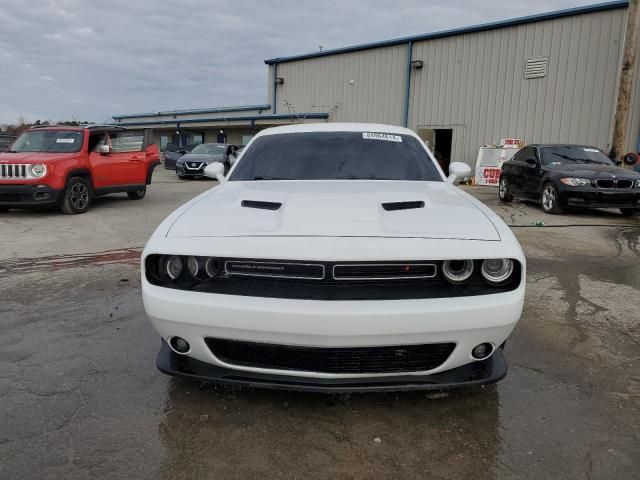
<point x="275" y="88"/>
<point x="599" y="7"/>
<point x="242" y="108"/>
<point x="251" y="118"/>
<point x="407" y="93"/>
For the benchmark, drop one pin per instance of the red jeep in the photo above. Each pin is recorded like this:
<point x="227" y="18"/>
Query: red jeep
<point x="66" y="167"/>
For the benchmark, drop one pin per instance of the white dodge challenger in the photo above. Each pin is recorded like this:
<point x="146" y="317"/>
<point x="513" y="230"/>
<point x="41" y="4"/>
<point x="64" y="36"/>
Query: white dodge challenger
<point x="334" y="257"/>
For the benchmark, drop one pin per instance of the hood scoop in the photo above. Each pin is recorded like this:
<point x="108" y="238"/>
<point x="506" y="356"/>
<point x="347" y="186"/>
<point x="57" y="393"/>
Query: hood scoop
<point x="261" y="205"/>
<point x="393" y="206"/>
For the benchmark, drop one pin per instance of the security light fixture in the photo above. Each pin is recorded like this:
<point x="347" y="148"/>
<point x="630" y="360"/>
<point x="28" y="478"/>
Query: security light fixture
<point x="417" y="64"/>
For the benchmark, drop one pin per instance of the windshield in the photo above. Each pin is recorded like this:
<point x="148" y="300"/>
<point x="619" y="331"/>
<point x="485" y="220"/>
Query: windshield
<point x="210" y="149"/>
<point x="572" y="154"/>
<point x="336" y="156"/>
<point x="50" y="141"/>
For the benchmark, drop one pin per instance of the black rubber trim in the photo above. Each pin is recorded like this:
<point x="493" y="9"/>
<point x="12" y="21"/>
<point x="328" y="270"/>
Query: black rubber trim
<point x="150" y="170"/>
<point x="261" y="205"/>
<point x="393" y="206"/>
<point x="22" y="196"/>
<point x="484" y="372"/>
<point x="118" y="189"/>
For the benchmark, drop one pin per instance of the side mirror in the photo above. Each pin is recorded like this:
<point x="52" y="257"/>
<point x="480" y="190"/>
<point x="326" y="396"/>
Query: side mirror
<point x="457" y="171"/>
<point x="181" y="152"/>
<point x="215" y="170"/>
<point x="531" y="161"/>
<point x="104" y="149"/>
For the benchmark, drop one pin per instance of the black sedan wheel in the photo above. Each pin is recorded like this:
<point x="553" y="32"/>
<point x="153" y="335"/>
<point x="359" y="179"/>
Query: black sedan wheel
<point x="550" y="199"/>
<point x="629" y="212"/>
<point x="503" y="190"/>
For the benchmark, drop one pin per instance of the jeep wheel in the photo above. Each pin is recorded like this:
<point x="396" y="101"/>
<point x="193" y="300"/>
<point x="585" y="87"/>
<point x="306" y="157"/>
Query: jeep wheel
<point x="138" y="194"/>
<point x="77" y="196"/>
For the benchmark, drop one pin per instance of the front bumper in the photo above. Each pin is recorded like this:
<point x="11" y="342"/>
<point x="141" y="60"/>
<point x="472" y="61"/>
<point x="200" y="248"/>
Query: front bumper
<point x="29" y="196"/>
<point x="465" y="321"/>
<point x="483" y="372"/>
<point x="599" y="198"/>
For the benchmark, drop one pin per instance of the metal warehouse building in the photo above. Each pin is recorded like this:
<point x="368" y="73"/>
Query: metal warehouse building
<point x="545" y="78"/>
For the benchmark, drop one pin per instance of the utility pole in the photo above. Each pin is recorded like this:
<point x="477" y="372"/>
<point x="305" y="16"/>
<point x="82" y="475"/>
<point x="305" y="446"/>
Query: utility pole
<point x="626" y="81"/>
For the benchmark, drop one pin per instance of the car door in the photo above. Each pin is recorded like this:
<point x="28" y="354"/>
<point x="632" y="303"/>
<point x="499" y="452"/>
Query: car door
<point x="513" y="168"/>
<point x="532" y="173"/>
<point x="128" y="157"/>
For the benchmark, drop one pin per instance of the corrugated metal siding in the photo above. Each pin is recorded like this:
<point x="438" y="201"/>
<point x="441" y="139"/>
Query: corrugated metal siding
<point x="323" y="85"/>
<point x="193" y="116"/>
<point x="633" y="133"/>
<point x="475" y="83"/>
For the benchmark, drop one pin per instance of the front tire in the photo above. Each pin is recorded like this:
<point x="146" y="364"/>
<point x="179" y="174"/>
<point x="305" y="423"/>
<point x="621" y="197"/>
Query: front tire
<point x="504" y="192"/>
<point x="77" y="196"/>
<point x="629" y="212"/>
<point x="550" y="199"/>
<point x="138" y="194"/>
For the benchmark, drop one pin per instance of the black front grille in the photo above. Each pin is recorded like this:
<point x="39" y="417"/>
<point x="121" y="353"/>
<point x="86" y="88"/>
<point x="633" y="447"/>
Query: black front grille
<point x="624" y="183"/>
<point x="389" y="359"/>
<point x="605" y="183"/>
<point x="378" y="271"/>
<point x="315" y="280"/>
<point x="10" y="197"/>
<point x="291" y="270"/>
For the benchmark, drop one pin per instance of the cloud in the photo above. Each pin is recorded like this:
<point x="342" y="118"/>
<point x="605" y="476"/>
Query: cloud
<point x="90" y="60"/>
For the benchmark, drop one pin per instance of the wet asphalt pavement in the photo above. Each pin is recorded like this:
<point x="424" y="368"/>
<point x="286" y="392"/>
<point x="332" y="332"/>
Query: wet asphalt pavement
<point x="80" y="396"/>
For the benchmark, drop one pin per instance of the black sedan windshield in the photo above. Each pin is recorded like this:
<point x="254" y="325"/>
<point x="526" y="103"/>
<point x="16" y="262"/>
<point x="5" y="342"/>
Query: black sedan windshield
<point x="572" y="154"/>
<point x="50" y="141"/>
<point x="336" y="156"/>
<point x="210" y="149"/>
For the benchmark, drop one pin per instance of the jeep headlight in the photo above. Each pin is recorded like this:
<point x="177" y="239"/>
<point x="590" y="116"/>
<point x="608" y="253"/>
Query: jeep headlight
<point x="37" y="170"/>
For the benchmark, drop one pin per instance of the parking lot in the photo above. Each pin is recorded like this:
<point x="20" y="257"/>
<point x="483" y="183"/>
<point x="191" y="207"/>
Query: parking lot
<point x="81" y="397"/>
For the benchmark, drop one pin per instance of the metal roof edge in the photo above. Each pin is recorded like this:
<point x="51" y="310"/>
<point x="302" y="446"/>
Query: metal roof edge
<point x="277" y="116"/>
<point x="598" y="7"/>
<point x="242" y="108"/>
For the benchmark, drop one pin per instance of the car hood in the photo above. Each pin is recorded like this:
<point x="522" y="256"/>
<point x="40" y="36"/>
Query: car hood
<point x="593" y="170"/>
<point x="34" y="157"/>
<point x="334" y="209"/>
<point x="201" y="157"/>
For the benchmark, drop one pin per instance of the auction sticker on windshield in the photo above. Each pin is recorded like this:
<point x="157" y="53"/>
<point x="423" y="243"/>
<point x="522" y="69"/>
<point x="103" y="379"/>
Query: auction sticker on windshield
<point x="65" y="140"/>
<point x="381" y="136"/>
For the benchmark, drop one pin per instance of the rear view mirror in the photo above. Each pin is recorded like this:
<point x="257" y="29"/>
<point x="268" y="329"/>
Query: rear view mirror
<point x="215" y="170"/>
<point x="104" y="149"/>
<point x="457" y="171"/>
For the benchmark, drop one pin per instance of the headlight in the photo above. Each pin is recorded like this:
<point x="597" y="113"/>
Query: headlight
<point x="38" y="170"/>
<point x="203" y="268"/>
<point x="576" y="182"/>
<point x="171" y="266"/>
<point x="457" y="271"/>
<point x="638" y="183"/>
<point x="497" y="270"/>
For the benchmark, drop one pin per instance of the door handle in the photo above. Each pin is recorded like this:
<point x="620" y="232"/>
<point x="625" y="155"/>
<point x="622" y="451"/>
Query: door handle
<point x="136" y="159"/>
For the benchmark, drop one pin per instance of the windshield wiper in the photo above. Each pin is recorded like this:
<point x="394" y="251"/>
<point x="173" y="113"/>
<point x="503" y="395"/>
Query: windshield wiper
<point x="266" y="177"/>
<point x="356" y="177"/>
<point x="578" y="160"/>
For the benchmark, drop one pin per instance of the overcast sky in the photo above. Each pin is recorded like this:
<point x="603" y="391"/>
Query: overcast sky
<point x="88" y="60"/>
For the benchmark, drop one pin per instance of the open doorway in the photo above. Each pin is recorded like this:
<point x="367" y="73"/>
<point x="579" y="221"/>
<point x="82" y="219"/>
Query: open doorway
<point x="439" y="141"/>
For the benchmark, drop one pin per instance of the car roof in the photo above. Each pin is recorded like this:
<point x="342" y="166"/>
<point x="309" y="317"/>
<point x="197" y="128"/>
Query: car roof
<point x="547" y="145"/>
<point x="77" y="128"/>
<point x="337" y="127"/>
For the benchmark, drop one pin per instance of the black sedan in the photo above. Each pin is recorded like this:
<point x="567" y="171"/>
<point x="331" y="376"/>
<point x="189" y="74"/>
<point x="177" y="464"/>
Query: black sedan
<point x="193" y="163"/>
<point x="563" y="176"/>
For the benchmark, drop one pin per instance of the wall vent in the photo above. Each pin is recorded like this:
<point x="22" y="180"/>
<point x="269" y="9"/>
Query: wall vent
<point x="535" y="67"/>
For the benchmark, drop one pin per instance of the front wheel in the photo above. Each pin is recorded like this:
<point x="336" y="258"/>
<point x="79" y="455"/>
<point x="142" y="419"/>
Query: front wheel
<point x="138" y="194"/>
<point x="504" y="193"/>
<point x="629" y="212"/>
<point x="550" y="199"/>
<point x="77" y="196"/>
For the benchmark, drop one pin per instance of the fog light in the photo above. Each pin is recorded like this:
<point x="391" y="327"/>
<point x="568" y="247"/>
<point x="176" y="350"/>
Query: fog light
<point x="180" y="345"/>
<point x="482" y="351"/>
